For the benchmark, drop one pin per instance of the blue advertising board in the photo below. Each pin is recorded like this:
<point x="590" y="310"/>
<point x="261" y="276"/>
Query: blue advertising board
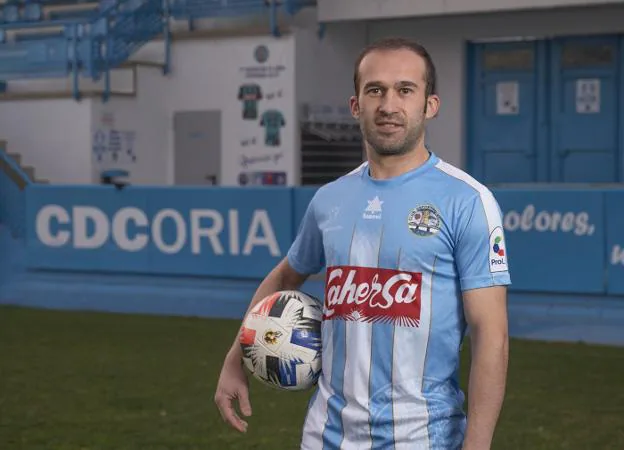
<point x="555" y="239"/>
<point x="615" y="242"/>
<point x="301" y="199"/>
<point x="226" y="232"/>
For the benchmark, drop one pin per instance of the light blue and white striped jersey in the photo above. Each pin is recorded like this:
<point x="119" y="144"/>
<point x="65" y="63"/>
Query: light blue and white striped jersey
<point x="398" y="253"/>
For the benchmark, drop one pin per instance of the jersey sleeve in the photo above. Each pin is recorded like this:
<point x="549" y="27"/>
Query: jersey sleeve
<point x="480" y="248"/>
<point x="306" y="254"/>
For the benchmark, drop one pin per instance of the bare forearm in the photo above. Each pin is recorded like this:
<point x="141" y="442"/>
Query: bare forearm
<point x="486" y="389"/>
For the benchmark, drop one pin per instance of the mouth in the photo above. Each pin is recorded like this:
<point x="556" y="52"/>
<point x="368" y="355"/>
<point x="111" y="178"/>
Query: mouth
<point x="389" y="126"/>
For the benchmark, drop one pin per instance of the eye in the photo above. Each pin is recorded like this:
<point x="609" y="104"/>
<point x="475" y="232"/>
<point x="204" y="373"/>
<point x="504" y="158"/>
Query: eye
<point x="374" y="91"/>
<point x="406" y="90"/>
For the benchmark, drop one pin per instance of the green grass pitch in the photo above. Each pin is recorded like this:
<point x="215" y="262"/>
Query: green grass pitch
<point x="93" y="381"/>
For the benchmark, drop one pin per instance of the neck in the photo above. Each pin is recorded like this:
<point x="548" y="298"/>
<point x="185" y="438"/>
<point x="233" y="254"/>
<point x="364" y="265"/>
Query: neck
<point x="384" y="167"/>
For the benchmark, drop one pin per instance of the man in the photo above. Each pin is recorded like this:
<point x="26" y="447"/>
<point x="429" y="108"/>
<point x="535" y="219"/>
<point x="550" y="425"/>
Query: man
<point x="415" y="253"/>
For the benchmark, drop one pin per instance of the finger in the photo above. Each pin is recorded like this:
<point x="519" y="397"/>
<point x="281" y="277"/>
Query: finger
<point x="243" y="401"/>
<point x="229" y="415"/>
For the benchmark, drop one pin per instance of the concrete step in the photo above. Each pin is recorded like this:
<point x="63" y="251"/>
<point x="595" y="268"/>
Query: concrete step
<point x="16" y="157"/>
<point x="30" y="171"/>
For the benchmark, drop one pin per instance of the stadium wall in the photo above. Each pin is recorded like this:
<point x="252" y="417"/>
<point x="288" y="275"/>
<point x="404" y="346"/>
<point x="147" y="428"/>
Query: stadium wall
<point x="446" y="37"/>
<point x="136" y="132"/>
<point x="339" y="10"/>
<point x="134" y="129"/>
<point x="53" y="136"/>
<point x="203" y="252"/>
<point x="325" y="66"/>
<point x="320" y="75"/>
<point x="208" y="75"/>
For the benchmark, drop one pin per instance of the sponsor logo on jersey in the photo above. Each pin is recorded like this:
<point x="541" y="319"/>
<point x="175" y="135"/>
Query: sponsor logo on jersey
<point x="373" y="295"/>
<point x="373" y="210"/>
<point x="498" y="253"/>
<point x="424" y="220"/>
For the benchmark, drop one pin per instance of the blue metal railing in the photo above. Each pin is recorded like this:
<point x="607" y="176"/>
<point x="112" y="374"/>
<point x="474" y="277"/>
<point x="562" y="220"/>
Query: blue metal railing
<point x="196" y="9"/>
<point x="93" y="46"/>
<point x="125" y="26"/>
<point x="87" y="46"/>
<point x="13" y="182"/>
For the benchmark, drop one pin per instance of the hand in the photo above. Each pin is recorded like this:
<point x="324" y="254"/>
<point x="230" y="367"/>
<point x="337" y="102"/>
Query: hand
<point x="233" y="384"/>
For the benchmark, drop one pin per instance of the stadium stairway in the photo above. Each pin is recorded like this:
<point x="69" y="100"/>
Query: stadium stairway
<point x="28" y="171"/>
<point x="80" y="40"/>
<point x="52" y="39"/>
<point x="13" y="181"/>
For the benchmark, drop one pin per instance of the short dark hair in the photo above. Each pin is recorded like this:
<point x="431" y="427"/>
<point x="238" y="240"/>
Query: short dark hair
<point x="397" y="43"/>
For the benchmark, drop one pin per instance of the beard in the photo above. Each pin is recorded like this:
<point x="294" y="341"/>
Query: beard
<point x="399" y="142"/>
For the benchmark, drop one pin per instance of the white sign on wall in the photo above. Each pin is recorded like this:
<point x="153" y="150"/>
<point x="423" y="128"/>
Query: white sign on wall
<point x="112" y="144"/>
<point x="260" y="121"/>
<point x="507" y="98"/>
<point x="588" y="96"/>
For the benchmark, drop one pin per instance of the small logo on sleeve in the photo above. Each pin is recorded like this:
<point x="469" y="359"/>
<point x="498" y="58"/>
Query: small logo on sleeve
<point x="497" y="253"/>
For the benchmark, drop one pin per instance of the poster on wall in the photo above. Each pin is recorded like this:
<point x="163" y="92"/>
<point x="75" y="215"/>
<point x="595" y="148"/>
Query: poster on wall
<point x="112" y="147"/>
<point x="587" y="96"/>
<point x="260" y="124"/>
<point x="507" y="98"/>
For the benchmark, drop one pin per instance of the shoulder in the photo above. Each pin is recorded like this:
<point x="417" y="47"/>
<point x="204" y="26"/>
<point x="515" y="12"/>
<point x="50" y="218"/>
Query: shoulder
<point x="340" y="184"/>
<point x="465" y="187"/>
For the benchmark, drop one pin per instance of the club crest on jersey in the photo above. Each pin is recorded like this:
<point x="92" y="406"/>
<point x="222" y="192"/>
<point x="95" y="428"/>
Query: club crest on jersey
<point x="424" y="220"/>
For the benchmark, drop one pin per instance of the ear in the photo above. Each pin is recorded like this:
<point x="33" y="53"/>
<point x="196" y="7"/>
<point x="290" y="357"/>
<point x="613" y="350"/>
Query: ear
<point x="433" y="107"/>
<point x="355" y="107"/>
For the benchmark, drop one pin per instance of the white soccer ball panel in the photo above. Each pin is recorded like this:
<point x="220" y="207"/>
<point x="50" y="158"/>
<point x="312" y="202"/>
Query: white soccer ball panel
<point x="281" y="340"/>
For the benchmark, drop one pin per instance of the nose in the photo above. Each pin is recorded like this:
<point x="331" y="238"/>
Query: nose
<point x="390" y="103"/>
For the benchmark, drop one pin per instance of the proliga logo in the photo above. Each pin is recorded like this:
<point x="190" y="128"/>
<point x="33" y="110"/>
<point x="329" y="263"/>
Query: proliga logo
<point x="497" y="246"/>
<point x="498" y="257"/>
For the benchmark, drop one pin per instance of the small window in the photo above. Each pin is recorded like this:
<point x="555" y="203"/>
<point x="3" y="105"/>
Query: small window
<point x="519" y="59"/>
<point x="577" y="56"/>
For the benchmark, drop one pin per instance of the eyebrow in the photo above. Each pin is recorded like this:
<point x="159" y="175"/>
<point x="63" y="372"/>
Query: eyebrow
<point x="399" y="84"/>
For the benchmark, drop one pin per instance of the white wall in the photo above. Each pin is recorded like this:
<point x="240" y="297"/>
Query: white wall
<point x="445" y="38"/>
<point x="325" y="66"/>
<point x="207" y="74"/>
<point x="141" y="125"/>
<point x="61" y="137"/>
<point x="54" y="135"/>
<point x="338" y="10"/>
<point x="122" y="81"/>
<point x="51" y="135"/>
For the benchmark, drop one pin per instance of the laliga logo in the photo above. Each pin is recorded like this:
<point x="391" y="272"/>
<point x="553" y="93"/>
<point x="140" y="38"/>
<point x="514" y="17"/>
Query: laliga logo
<point x="88" y="227"/>
<point x="497" y="248"/>
<point x="498" y="261"/>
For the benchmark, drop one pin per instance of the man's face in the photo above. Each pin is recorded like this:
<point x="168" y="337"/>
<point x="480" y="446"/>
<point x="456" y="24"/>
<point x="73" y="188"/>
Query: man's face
<point x="391" y="104"/>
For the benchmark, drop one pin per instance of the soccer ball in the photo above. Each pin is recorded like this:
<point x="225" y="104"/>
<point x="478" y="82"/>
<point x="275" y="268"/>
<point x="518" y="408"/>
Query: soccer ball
<point x="281" y="340"/>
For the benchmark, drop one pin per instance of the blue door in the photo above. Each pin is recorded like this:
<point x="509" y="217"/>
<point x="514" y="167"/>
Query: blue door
<point x="584" y="107"/>
<point x="506" y="123"/>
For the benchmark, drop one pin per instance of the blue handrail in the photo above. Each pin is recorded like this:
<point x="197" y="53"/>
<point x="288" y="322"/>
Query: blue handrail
<point x="13" y="181"/>
<point x="95" y="45"/>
